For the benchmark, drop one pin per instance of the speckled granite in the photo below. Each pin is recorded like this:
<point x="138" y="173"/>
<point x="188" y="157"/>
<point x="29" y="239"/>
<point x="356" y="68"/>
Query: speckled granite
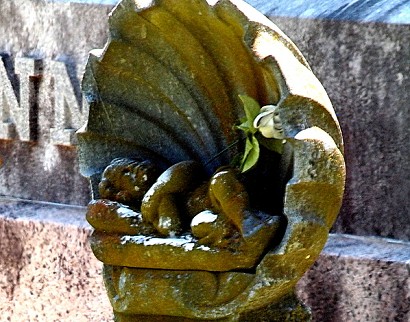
<point x="359" y="279"/>
<point x="47" y="272"/>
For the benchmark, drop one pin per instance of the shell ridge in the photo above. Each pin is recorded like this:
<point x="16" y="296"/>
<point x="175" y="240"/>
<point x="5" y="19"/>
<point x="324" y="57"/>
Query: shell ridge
<point x="171" y="134"/>
<point x="105" y="142"/>
<point x="262" y="22"/>
<point x="179" y="136"/>
<point x="200" y="120"/>
<point x="270" y="63"/>
<point x="155" y="128"/>
<point x="226" y="38"/>
<point x="94" y="88"/>
<point x="202" y="95"/>
<point x="266" y="94"/>
<point x="225" y="9"/>
<point x="209" y="95"/>
<point x="310" y="105"/>
<point x="155" y="94"/>
<point x="204" y="54"/>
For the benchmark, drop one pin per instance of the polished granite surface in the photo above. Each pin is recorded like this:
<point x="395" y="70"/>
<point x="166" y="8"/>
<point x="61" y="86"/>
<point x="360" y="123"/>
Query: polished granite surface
<point x="389" y="11"/>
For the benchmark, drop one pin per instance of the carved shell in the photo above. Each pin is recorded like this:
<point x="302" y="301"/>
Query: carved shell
<point x="166" y="87"/>
<point x="169" y="86"/>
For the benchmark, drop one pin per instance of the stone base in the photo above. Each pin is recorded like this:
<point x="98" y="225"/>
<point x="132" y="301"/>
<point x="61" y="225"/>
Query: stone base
<point x="48" y="273"/>
<point x="288" y="310"/>
<point x="47" y="270"/>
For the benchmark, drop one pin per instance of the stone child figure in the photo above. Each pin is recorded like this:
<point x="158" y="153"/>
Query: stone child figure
<point x="178" y="198"/>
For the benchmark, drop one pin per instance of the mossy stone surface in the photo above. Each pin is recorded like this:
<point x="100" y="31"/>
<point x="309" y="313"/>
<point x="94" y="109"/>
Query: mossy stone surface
<point x="289" y="309"/>
<point x="166" y="88"/>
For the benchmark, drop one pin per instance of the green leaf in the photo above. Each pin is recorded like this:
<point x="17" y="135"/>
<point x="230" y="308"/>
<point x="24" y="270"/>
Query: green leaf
<point x="236" y="161"/>
<point x="244" y="127"/>
<point x="275" y="145"/>
<point x="252" y="109"/>
<point x="251" y="154"/>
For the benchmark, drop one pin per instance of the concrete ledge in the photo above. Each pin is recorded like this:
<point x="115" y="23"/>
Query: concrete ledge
<point x="47" y="271"/>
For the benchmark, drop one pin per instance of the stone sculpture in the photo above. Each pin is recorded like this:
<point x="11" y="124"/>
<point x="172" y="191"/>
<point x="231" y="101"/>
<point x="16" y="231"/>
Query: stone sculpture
<point x="215" y="159"/>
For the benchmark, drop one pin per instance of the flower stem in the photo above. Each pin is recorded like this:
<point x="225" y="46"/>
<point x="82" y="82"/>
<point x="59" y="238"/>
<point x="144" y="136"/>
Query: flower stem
<point x="224" y="150"/>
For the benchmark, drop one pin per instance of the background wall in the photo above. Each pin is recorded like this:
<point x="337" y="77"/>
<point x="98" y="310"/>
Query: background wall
<point x="358" y="49"/>
<point x="364" y="66"/>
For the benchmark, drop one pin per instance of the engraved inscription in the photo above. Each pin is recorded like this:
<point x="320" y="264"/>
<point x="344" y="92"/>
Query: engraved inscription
<point x="19" y="101"/>
<point x="69" y="115"/>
